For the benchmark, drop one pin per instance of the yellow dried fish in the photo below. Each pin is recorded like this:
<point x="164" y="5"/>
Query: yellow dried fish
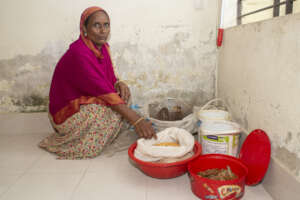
<point x="166" y="144"/>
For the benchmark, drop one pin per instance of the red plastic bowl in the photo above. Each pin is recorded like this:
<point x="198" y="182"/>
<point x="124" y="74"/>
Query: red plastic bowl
<point x="205" y="188"/>
<point x="163" y="170"/>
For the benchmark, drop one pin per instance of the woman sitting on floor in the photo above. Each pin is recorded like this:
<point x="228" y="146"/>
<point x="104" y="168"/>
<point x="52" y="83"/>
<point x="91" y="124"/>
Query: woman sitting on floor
<point x="87" y="102"/>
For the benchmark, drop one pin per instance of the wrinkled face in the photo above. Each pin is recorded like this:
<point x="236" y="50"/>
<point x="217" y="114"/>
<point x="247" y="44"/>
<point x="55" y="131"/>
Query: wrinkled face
<point x="98" y="28"/>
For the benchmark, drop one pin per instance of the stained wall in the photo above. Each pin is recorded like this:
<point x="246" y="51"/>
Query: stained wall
<point x="258" y="77"/>
<point x="162" y="48"/>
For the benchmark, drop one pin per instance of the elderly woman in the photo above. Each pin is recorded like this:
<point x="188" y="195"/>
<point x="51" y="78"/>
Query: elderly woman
<point x="87" y="102"/>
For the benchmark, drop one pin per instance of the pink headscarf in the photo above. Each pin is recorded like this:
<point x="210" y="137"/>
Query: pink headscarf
<point x="84" y="75"/>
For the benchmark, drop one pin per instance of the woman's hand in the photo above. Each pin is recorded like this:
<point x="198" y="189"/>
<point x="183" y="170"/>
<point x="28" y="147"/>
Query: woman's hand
<point x="123" y="90"/>
<point x="145" y="130"/>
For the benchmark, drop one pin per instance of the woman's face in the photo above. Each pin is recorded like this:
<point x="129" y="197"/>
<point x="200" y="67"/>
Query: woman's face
<point x="98" y="28"/>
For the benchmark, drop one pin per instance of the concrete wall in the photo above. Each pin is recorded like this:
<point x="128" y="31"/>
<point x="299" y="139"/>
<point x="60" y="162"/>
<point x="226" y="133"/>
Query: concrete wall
<point x="258" y="76"/>
<point x="163" y="48"/>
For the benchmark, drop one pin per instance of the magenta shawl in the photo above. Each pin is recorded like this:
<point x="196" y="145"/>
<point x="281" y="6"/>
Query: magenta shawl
<point x="84" y="75"/>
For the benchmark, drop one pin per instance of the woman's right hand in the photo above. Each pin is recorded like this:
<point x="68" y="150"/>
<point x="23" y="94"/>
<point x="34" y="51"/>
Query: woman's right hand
<point x="145" y="130"/>
<point x="142" y="127"/>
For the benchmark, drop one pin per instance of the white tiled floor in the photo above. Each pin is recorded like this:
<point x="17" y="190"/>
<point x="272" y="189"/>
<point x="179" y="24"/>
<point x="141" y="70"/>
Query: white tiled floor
<point x="29" y="173"/>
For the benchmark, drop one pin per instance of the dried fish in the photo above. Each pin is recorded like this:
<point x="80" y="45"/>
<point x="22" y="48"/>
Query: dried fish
<point x="218" y="174"/>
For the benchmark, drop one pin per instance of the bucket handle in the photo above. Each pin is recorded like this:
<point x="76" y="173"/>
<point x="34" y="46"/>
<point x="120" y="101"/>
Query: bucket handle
<point x="227" y="107"/>
<point x="211" y="101"/>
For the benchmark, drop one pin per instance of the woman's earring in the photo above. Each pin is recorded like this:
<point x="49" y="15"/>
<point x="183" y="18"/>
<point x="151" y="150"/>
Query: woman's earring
<point x="85" y="34"/>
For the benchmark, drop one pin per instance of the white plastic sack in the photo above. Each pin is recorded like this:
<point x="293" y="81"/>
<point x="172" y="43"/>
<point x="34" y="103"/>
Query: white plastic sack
<point x="146" y="151"/>
<point x="189" y="123"/>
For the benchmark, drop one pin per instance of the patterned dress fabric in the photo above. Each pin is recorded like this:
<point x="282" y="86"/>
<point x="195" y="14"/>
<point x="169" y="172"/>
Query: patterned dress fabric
<point x="85" y="134"/>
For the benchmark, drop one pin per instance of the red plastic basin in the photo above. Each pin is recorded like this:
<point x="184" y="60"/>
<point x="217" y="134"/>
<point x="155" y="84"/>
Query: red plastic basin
<point x="163" y="170"/>
<point x="205" y="188"/>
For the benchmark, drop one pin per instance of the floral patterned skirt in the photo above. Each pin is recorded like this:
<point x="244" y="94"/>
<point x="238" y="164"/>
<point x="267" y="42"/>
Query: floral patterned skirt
<point x="84" y="134"/>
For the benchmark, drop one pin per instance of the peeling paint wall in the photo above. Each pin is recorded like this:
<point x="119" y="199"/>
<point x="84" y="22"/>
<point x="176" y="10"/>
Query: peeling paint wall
<point x="162" y="48"/>
<point x="258" y="76"/>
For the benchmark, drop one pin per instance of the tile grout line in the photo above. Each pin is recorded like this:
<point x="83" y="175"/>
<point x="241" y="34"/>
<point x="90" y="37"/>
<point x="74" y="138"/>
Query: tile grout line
<point x="20" y="176"/>
<point x="146" y="191"/>
<point x="79" y="182"/>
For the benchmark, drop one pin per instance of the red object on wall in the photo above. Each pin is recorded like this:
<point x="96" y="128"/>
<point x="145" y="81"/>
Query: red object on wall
<point x="220" y="37"/>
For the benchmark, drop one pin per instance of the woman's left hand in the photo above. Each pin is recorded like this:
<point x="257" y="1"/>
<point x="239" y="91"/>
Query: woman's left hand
<point x="123" y="90"/>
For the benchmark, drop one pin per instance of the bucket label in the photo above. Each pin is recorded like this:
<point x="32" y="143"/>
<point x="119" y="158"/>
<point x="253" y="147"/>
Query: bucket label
<point x="213" y="137"/>
<point x="211" y="197"/>
<point x="220" y="144"/>
<point x="229" y="190"/>
<point x="214" y="144"/>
